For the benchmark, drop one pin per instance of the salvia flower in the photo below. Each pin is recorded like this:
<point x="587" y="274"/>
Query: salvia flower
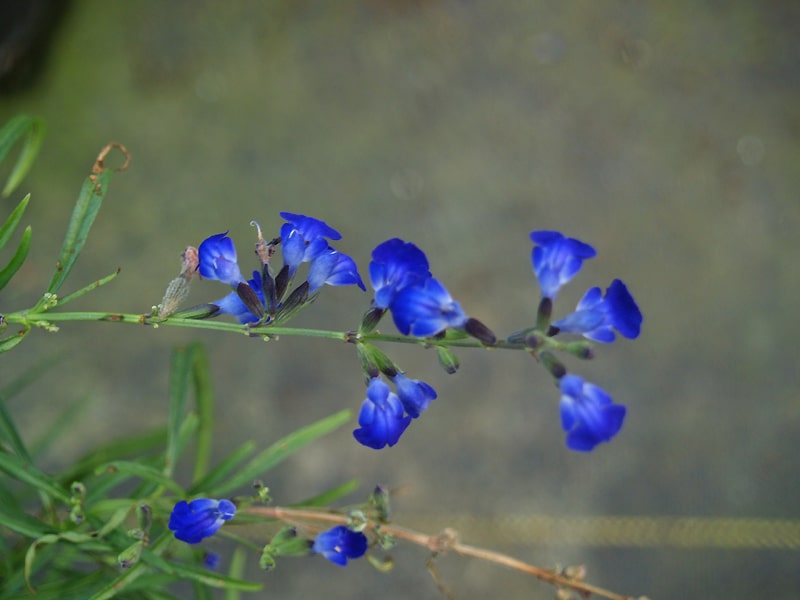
<point x="588" y="414"/>
<point x="415" y="395"/>
<point x="232" y="304"/>
<point x="217" y="257"/>
<point x="200" y="518"/>
<point x="340" y="544"/>
<point x="381" y="418"/>
<point x="426" y="308"/>
<point x="596" y="317"/>
<point x="395" y="264"/>
<point x="333" y="268"/>
<point x="304" y="239"/>
<point x="557" y="259"/>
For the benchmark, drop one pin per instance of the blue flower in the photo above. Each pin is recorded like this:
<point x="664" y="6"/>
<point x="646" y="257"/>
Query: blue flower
<point x="425" y="309"/>
<point x="340" y="543"/>
<point x="304" y="239"/>
<point x="233" y="305"/>
<point x="211" y="560"/>
<point x="596" y="317"/>
<point x="217" y="257"/>
<point x="588" y="414"/>
<point x="556" y="259"/>
<point x="381" y="417"/>
<point x="201" y="518"/>
<point x="333" y="268"/>
<point x="415" y="395"/>
<point x="395" y="264"/>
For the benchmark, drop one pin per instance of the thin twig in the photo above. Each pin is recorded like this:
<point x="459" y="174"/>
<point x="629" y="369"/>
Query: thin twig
<point x="437" y="544"/>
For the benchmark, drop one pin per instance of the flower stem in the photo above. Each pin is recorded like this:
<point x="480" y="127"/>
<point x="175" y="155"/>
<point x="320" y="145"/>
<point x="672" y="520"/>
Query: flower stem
<point x="437" y="544"/>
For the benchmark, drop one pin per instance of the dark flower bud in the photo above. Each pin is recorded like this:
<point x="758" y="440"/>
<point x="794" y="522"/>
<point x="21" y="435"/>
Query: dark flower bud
<point x="371" y="319"/>
<point x="553" y="365"/>
<point x="480" y="331"/>
<point x="296" y="300"/>
<point x="544" y="313"/>
<point x="250" y="299"/>
<point x="270" y="293"/>
<point x="282" y="282"/>
<point x="582" y="350"/>
<point x="201" y="311"/>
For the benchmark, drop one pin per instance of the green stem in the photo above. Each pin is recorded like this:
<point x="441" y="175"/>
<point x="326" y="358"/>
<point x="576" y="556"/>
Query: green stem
<point x="44" y="318"/>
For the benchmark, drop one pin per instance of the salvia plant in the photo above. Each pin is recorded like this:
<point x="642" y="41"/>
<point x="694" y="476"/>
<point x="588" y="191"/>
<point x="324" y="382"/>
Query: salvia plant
<point x="118" y="523"/>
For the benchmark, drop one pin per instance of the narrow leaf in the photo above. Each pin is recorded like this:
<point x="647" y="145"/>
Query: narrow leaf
<point x="10" y="435"/>
<point x="24" y="471"/>
<point x="212" y="579"/>
<point x="16" y="261"/>
<point x="204" y="400"/>
<point x="136" y="445"/>
<point x="86" y="208"/>
<point x="32" y="130"/>
<point x="179" y="377"/>
<point x="224" y="468"/>
<point x="21" y="522"/>
<point x="332" y="495"/>
<point x="7" y="343"/>
<point x="145" y="472"/>
<point x="13" y="220"/>
<point x="84" y="290"/>
<point x="281" y="449"/>
<point x="236" y="570"/>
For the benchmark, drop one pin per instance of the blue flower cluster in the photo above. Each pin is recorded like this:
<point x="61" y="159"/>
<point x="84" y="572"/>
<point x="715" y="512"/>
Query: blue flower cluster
<point x="588" y="414"/>
<point x="200" y="518"/>
<point x="420" y="305"/>
<point x="304" y="239"/>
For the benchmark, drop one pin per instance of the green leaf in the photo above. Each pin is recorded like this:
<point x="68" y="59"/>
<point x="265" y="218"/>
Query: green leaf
<point x="136" y="445"/>
<point x="281" y="449"/>
<point x="127" y="577"/>
<point x="16" y="261"/>
<point x="86" y="208"/>
<point x="236" y="570"/>
<point x="65" y="589"/>
<point x="24" y="471"/>
<point x="179" y="374"/>
<point x="32" y="130"/>
<point x="145" y="472"/>
<point x="63" y="424"/>
<point x="204" y="399"/>
<point x="332" y="495"/>
<point x="224" y="468"/>
<point x="210" y="578"/>
<point x="9" y="433"/>
<point x="7" y="343"/>
<point x="13" y="220"/>
<point x="84" y="290"/>
<point x="22" y="523"/>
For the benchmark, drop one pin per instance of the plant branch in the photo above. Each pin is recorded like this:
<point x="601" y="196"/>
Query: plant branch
<point x="447" y="541"/>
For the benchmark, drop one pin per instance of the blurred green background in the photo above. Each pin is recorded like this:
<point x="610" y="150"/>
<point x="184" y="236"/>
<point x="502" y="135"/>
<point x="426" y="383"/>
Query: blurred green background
<point x="664" y="134"/>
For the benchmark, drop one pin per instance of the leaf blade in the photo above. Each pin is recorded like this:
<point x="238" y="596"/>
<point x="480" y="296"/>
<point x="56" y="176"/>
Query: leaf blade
<point x="31" y="131"/>
<point x="281" y="449"/>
